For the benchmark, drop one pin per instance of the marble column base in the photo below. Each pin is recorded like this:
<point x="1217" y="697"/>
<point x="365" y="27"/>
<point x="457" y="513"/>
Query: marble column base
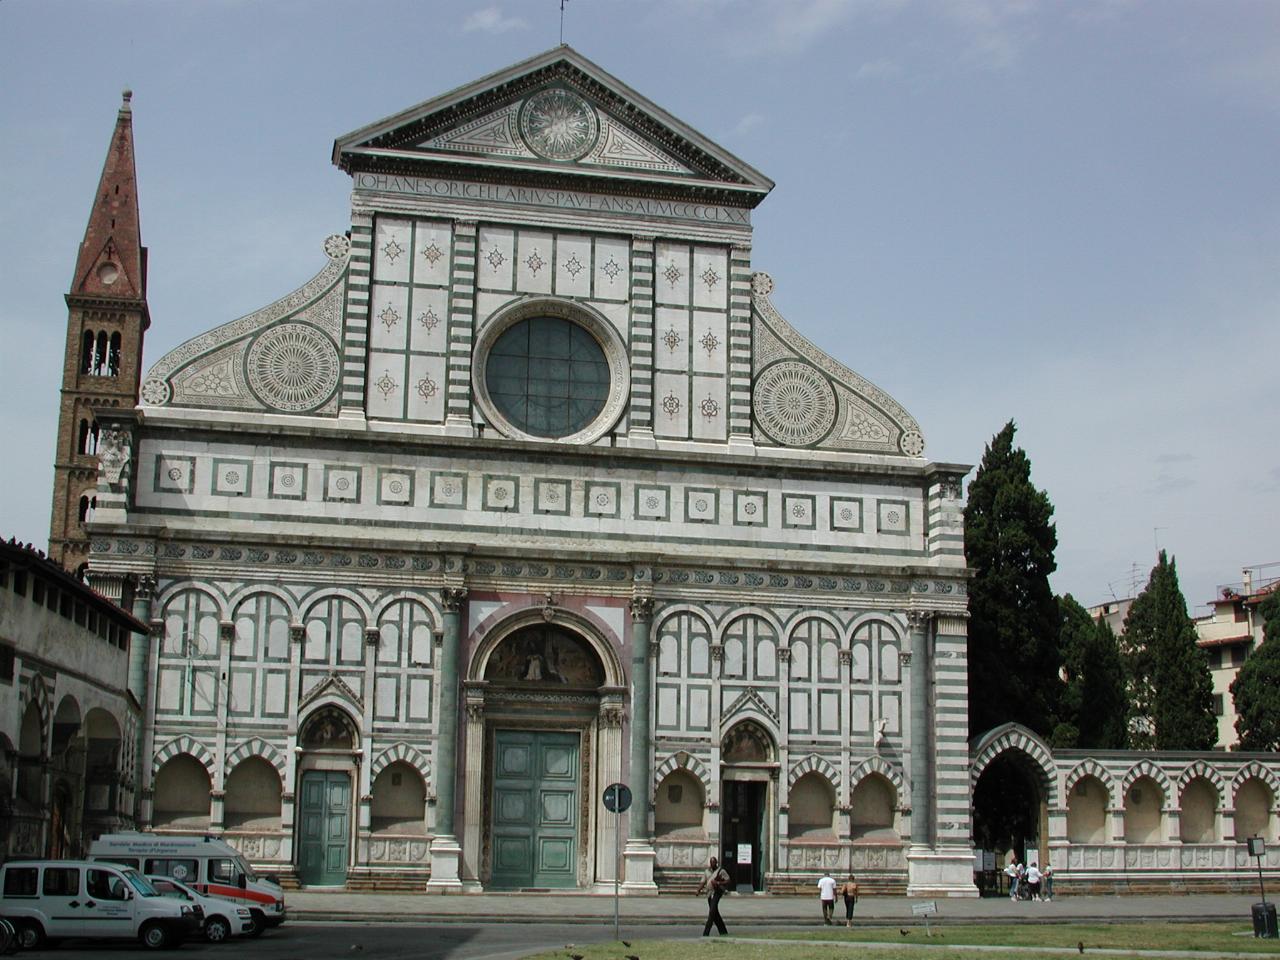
<point x="446" y="866"/>
<point x="940" y="872"/>
<point x="637" y="872"/>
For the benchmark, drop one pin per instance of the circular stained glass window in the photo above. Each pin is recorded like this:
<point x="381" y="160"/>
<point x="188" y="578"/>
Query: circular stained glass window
<point x="547" y="376"/>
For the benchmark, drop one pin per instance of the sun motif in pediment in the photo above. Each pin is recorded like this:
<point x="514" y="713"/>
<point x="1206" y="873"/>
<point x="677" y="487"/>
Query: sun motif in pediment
<point x="558" y="124"/>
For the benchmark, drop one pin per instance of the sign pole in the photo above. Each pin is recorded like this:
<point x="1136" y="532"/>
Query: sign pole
<point x="617" y="799"/>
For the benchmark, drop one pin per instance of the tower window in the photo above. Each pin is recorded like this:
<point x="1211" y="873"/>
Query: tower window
<point x="113" y="356"/>
<point x="86" y="353"/>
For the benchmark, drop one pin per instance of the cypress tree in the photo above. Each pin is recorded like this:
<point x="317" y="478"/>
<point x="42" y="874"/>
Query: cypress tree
<point x="1013" y="616"/>
<point x="1168" y="673"/>
<point x="1094" y="708"/>
<point x="1256" y="688"/>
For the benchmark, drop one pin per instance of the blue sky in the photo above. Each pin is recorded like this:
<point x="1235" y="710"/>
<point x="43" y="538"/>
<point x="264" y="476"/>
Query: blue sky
<point x="1063" y="213"/>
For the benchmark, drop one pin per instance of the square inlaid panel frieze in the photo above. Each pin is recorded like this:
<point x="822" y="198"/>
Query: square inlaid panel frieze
<point x="232" y="478"/>
<point x="288" y="481"/>
<point x="846" y="514"/>
<point x="603" y="499"/>
<point x="175" y="474"/>
<point x="702" y="505"/>
<point x="751" y="508"/>
<point x="799" y="510"/>
<point x="652" y="503"/>
<point x="342" y="484"/>
<point x="501" y="493"/>
<point x="449" y="490"/>
<point x="432" y="250"/>
<point x="395" y="487"/>
<point x="892" y="516"/>
<point x="392" y="250"/>
<point x="551" y="496"/>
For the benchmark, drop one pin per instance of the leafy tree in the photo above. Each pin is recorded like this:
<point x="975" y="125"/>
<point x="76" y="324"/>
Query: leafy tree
<point x="1169" y="674"/>
<point x="1094" y="708"/>
<point x="1013" y="616"/>
<point x="1256" y="688"/>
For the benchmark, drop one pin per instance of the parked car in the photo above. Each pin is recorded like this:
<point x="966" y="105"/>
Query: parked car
<point x="211" y="866"/>
<point x="222" y="918"/>
<point x="51" y="899"/>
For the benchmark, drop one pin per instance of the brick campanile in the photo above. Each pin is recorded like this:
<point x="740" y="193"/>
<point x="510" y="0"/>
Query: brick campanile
<point x="107" y="317"/>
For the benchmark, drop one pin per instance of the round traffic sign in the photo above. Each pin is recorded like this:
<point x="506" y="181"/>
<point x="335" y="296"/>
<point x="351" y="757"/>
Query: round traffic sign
<point x="617" y="797"/>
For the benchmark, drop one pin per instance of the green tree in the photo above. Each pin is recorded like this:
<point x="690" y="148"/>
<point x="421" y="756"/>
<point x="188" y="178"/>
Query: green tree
<point x="1168" y="673"/>
<point x="1094" y="708"/>
<point x="1256" y="688"/>
<point x="1013" y="616"/>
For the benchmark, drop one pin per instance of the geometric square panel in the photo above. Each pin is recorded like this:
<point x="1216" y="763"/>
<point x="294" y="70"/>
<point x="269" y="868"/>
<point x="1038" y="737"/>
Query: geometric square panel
<point x="288" y="481"/>
<point x="232" y="478"/>
<point x="892" y="517"/>
<point x="750" y="508"/>
<point x="603" y="499"/>
<point x="395" y="486"/>
<point x="651" y="502"/>
<point x="175" y="474"/>
<point x="701" y="505"/>
<point x="798" y="510"/>
<point x="551" y="496"/>
<point x="846" y="514"/>
<point x="501" y="493"/>
<point x="342" y="484"/>
<point x="449" y="490"/>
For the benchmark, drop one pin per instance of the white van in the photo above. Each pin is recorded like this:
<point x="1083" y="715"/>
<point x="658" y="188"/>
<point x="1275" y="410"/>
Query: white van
<point x="211" y="866"/>
<point x="51" y="899"/>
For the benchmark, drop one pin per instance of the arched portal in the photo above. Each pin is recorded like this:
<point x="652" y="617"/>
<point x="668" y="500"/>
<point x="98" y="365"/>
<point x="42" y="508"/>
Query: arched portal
<point x="327" y="773"/>
<point x="748" y="799"/>
<point x="1010" y="807"/>
<point x="544" y="710"/>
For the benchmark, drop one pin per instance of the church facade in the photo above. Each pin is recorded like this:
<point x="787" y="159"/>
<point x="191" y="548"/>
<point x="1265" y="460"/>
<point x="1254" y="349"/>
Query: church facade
<point x="532" y="490"/>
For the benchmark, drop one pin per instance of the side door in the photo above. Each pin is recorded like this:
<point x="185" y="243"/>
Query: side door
<point x="324" y="828"/>
<point x="64" y="907"/>
<point x="108" y="904"/>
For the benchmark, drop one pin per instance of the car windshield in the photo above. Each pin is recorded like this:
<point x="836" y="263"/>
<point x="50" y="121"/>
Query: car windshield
<point x="246" y="869"/>
<point x="140" y="883"/>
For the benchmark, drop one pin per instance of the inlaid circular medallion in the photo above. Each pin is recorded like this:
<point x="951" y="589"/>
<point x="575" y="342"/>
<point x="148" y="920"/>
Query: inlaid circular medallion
<point x="911" y="443"/>
<point x="155" y="393"/>
<point x="293" y="367"/>
<point x="558" y="124"/>
<point x="794" y="404"/>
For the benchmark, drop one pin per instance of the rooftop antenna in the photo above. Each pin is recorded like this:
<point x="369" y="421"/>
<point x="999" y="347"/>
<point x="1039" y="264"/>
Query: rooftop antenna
<point x="562" y="3"/>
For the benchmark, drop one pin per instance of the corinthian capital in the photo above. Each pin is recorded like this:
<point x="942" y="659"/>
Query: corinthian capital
<point x="641" y="608"/>
<point x="919" y="619"/>
<point x="453" y="598"/>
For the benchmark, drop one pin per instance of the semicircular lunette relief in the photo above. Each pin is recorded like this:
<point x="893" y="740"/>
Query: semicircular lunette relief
<point x="292" y="367"/>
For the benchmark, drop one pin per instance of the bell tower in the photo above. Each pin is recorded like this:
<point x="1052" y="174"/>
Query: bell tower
<point x="107" y="317"/>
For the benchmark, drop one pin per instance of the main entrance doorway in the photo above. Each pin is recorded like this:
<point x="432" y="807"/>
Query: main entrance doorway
<point x="324" y="827"/>
<point x="535" y="808"/>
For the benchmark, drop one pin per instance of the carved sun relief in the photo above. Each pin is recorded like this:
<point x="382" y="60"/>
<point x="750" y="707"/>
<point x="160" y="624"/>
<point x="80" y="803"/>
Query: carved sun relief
<point x="558" y="124"/>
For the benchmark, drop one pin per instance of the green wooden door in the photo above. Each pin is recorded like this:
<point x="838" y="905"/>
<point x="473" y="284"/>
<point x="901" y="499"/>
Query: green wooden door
<point x="535" y="809"/>
<point x="325" y="828"/>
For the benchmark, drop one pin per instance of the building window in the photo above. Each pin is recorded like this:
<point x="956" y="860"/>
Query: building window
<point x="6" y="664"/>
<point x="1237" y="655"/>
<point x="1218" y="708"/>
<point x="20" y="582"/>
<point x="1215" y="658"/>
<point x="547" y="376"/>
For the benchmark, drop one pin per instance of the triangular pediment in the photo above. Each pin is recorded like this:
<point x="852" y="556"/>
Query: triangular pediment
<point x="557" y="115"/>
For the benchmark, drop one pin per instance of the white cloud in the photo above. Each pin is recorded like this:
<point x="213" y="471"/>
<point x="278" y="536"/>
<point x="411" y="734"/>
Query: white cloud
<point x="793" y="26"/>
<point x="492" y="20"/>
<point x="748" y="123"/>
<point x="995" y="31"/>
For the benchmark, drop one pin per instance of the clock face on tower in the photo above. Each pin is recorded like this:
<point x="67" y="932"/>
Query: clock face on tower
<point x="557" y="124"/>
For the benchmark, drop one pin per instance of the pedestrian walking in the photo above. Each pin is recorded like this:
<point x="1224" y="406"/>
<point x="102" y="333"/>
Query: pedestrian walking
<point x="1048" y="881"/>
<point x="849" y="890"/>
<point x="827" y="892"/>
<point x="714" y="881"/>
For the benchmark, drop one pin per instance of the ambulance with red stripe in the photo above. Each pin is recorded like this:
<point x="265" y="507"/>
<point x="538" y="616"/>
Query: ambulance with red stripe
<point x="213" y="867"/>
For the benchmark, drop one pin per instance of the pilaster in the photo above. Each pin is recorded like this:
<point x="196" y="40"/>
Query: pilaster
<point x="446" y="852"/>
<point x="462" y="314"/>
<point x="640" y="419"/>
<point x="639" y="857"/>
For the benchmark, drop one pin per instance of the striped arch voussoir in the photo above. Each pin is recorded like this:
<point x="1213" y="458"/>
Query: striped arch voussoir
<point x="402" y="751"/>
<point x="256" y="747"/>
<point x="815" y="764"/>
<point x="1253" y="770"/>
<point x="1148" y="768"/>
<point x="881" y="766"/>
<point x="180" y="745"/>
<point x="682" y="761"/>
<point x="1017" y="738"/>
<point x="1091" y="768"/>
<point x="1200" y="769"/>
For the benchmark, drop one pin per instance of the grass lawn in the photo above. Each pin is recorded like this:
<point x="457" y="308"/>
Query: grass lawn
<point x="1042" y="940"/>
